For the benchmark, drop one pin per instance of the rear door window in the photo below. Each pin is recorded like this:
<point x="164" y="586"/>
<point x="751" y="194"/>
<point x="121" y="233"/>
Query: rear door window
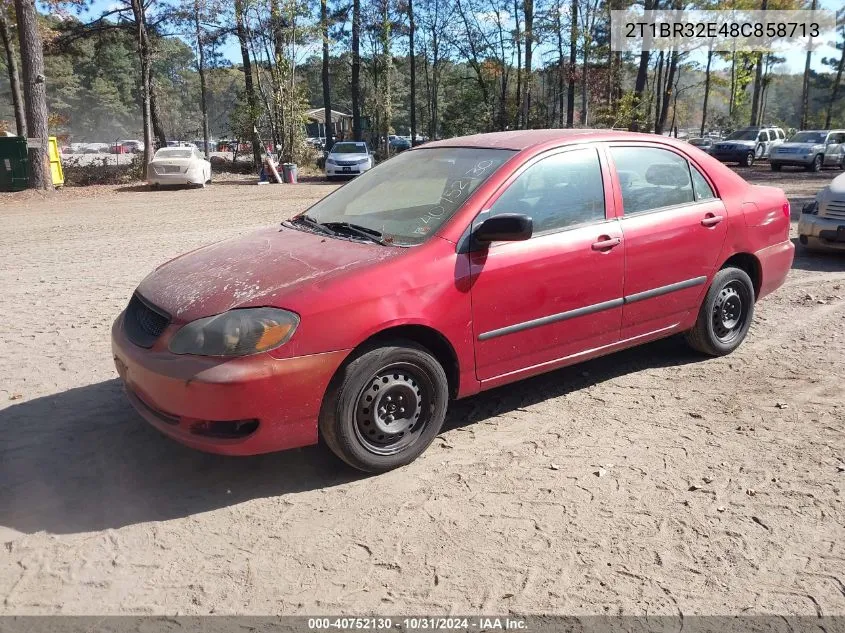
<point x="651" y="178"/>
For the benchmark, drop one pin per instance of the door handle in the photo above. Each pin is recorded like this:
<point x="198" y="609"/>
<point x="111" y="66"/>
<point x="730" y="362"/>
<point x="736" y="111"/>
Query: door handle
<point x="605" y="243"/>
<point x="711" y="220"/>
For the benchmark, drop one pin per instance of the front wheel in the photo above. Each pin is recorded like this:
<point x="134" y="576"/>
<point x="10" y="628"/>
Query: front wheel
<point x="725" y="315"/>
<point x="775" y="166"/>
<point x="749" y="159"/>
<point x="816" y="165"/>
<point x="385" y="406"/>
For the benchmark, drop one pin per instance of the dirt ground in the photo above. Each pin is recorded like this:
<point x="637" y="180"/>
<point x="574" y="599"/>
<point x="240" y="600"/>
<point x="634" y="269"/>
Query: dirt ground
<point x="648" y="482"/>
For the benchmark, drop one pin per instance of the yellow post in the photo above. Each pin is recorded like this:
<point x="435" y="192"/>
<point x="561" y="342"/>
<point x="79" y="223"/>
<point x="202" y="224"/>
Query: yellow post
<point x="56" y="162"/>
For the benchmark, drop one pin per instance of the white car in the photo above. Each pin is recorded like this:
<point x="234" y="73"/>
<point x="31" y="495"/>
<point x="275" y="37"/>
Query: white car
<point x="179" y="166"/>
<point x="348" y="158"/>
<point x="822" y="223"/>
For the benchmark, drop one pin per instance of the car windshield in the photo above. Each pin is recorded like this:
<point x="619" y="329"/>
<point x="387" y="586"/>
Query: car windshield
<point x="174" y="153"/>
<point x="809" y="137"/>
<point x="409" y="197"/>
<point x="744" y="135"/>
<point x="349" y="148"/>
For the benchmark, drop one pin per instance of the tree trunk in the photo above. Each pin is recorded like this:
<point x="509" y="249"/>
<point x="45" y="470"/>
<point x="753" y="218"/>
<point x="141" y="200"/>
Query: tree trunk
<point x="158" y="128"/>
<point x="252" y="101"/>
<point x="573" y="60"/>
<point x="805" y="88"/>
<point x="835" y="88"/>
<point x="144" y="54"/>
<point x="642" y="77"/>
<point x="733" y="85"/>
<point x="35" y="92"/>
<point x="658" y="91"/>
<point x="201" y="70"/>
<point x="667" y="92"/>
<point x="327" y="94"/>
<point x="412" y="54"/>
<point x="356" y="69"/>
<point x="14" y="81"/>
<point x="758" y="82"/>
<point x="518" y="40"/>
<point x="560" y="82"/>
<point x="706" y="92"/>
<point x="528" y="10"/>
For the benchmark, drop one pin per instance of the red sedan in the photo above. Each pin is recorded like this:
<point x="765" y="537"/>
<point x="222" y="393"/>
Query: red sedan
<point x="452" y="268"/>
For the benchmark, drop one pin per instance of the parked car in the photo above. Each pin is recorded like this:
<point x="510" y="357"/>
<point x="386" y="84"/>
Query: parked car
<point x="812" y="150"/>
<point x="179" y="166"/>
<point x="131" y="146"/>
<point x="453" y="268"/>
<point x="348" y="158"/>
<point x="704" y="144"/>
<point x="822" y="222"/>
<point x="399" y="144"/>
<point x="748" y="145"/>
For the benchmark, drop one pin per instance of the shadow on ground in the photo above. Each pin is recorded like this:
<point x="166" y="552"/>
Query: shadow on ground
<point x="817" y="261"/>
<point x="82" y="460"/>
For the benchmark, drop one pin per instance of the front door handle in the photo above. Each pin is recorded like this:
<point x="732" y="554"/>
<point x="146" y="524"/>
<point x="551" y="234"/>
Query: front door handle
<point x="711" y="220"/>
<point x="605" y="243"/>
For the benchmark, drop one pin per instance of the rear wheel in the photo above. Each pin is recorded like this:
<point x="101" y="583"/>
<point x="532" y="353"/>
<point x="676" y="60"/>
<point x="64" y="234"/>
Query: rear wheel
<point x="385" y="406"/>
<point x="749" y="159"/>
<point x="725" y="315"/>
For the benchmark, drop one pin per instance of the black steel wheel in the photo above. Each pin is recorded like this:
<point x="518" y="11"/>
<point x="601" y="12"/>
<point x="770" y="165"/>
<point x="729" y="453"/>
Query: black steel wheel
<point x="725" y="315"/>
<point x="385" y="406"/>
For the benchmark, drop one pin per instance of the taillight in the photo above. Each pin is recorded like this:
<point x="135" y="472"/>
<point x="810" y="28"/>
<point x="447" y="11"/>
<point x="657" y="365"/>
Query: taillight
<point x="785" y="209"/>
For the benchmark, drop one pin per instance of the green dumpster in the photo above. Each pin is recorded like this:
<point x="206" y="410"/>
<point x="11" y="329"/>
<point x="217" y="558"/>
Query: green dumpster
<point x="14" y="163"/>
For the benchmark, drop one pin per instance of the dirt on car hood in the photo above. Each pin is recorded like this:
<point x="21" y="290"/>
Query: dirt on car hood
<point x="258" y="269"/>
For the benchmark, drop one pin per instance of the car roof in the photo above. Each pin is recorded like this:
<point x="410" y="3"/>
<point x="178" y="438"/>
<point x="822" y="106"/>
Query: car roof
<point x="524" y="139"/>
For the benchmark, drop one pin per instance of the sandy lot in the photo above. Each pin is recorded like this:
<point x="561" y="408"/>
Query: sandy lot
<point x="722" y="490"/>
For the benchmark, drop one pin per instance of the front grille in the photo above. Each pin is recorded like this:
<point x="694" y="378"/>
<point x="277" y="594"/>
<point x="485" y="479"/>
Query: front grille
<point x="347" y="163"/>
<point x="835" y="209"/>
<point x="144" y="323"/>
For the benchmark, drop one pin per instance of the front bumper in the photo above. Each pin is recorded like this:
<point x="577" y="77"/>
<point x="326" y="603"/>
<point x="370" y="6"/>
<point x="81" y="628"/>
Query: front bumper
<point x="353" y="170"/>
<point x="821" y="233"/>
<point x="798" y="160"/>
<point x="731" y="156"/>
<point x="184" y="396"/>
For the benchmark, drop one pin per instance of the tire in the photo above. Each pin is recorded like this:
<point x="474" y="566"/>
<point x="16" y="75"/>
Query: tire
<point x="749" y="159"/>
<point x="358" y="432"/>
<point x="816" y="165"/>
<point x="725" y="314"/>
<point x="776" y="166"/>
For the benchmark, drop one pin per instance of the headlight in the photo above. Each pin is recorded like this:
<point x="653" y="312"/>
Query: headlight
<point x="329" y="161"/>
<point x="361" y="161"/>
<point x="236" y="333"/>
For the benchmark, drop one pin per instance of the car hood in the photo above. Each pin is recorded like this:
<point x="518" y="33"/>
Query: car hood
<point x="742" y="143"/>
<point x="259" y="269"/>
<point x="804" y="146"/>
<point x="838" y="185"/>
<point x="348" y="157"/>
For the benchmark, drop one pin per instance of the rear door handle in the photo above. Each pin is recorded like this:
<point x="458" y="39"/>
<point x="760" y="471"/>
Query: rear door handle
<point x="605" y="243"/>
<point x="711" y="220"/>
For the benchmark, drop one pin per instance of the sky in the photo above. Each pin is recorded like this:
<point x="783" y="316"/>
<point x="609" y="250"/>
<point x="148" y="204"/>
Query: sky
<point x="794" y="59"/>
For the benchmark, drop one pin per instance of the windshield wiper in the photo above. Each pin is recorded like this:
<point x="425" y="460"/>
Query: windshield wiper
<point x="311" y="222"/>
<point x="356" y="229"/>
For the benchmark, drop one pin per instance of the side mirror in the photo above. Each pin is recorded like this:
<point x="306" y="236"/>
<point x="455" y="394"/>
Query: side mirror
<point x="505" y="227"/>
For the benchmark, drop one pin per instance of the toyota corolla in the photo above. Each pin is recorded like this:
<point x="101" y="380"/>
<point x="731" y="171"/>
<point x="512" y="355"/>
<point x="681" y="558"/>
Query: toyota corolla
<point x="452" y="268"/>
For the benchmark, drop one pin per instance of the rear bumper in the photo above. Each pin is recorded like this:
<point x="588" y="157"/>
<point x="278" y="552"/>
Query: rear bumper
<point x="775" y="263"/>
<point x="181" y="395"/>
<point x="820" y="232"/>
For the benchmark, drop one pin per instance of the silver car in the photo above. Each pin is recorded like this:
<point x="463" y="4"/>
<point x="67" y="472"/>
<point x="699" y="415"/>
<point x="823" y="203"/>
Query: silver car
<point x="348" y="158"/>
<point x="822" y="223"/>
<point x="812" y="150"/>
